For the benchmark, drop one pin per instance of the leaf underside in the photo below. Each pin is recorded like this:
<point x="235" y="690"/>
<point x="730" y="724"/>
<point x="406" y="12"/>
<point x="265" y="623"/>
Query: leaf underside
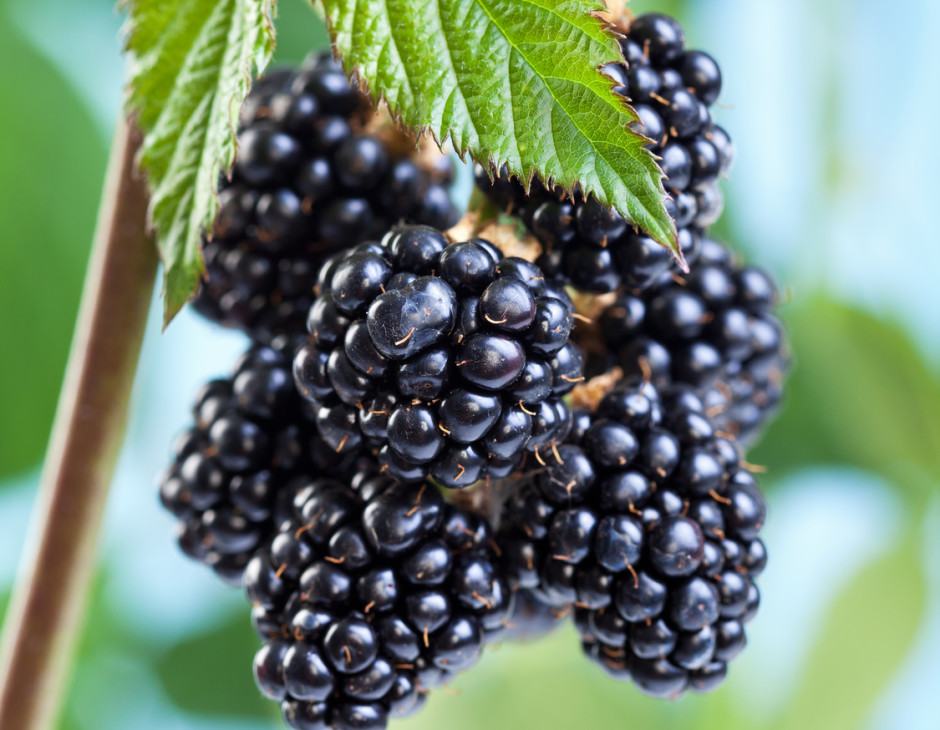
<point x="191" y="67"/>
<point x="511" y="82"/>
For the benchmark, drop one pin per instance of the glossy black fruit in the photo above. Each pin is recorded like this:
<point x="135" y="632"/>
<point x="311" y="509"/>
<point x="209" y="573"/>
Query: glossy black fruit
<point x="713" y="330"/>
<point x="236" y="469"/>
<point x="370" y="594"/>
<point x="307" y="182"/>
<point x="447" y="360"/>
<point x="647" y="526"/>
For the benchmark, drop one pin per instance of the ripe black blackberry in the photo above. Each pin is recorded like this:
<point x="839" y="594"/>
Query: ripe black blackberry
<point x="645" y="523"/>
<point x="370" y="596"/>
<point x="713" y="329"/>
<point x="447" y="360"/>
<point x="671" y="88"/>
<point x="235" y="470"/>
<point x="307" y="182"/>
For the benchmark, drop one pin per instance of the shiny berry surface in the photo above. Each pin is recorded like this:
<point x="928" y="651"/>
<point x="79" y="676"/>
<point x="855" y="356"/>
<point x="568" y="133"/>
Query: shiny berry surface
<point x="715" y="330"/>
<point x="446" y="359"/>
<point x="371" y="594"/>
<point x="308" y="181"/>
<point x="646" y="524"/>
<point x="236" y="468"/>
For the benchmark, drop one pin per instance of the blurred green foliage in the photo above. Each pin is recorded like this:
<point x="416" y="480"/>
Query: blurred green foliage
<point x="106" y="633"/>
<point x="299" y="30"/>
<point x="869" y="629"/>
<point x="860" y="394"/>
<point x="50" y="177"/>
<point x="52" y="161"/>
<point x="183" y="667"/>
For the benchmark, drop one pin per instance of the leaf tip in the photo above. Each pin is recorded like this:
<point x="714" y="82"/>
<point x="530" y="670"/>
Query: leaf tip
<point x="170" y="310"/>
<point x="172" y="305"/>
<point x="180" y="285"/>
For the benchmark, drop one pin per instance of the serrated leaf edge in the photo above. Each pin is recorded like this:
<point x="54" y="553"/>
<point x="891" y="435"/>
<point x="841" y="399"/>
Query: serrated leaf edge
<point x="668" y="238"/>
<point x="176" y="294"/>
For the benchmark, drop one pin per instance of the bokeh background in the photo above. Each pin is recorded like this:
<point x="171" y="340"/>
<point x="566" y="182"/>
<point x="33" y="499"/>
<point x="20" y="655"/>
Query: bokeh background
<point x="833" y="106"/>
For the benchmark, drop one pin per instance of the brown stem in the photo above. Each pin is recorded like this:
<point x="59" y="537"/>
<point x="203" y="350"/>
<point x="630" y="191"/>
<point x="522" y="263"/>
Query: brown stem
<point x="46" y="611"/>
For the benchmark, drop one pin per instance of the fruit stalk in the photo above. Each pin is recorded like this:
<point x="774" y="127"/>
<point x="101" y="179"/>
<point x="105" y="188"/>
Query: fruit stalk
<point x="46" y="610"/>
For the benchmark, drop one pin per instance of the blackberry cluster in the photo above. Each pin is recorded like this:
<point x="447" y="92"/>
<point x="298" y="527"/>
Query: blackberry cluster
<point x="371" y="595"/>
<point x="235" y="470"/>
<point x="646" y="523"/>
<point x="307" y="182"/>
<point x="316" y="474"/>
<point x="713" y="329"/>
<point x="447" y="360"/>
<point x="671" y="88"/>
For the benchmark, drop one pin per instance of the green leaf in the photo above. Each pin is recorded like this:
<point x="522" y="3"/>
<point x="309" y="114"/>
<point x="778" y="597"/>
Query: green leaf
<point x="868" y="633"/>
<point x="192" y="67"/>
<point x="514" y="82"/>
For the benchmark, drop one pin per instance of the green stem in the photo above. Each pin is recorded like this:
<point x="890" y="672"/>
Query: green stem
<point x="45" y="614"/>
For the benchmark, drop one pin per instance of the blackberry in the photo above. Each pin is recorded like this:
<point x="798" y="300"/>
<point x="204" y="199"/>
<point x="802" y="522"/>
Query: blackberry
<point x="235" y="470"/>
<point x="371" y="595"/>
<point x="647" y="525"/>
<point x="591" y="246"/>
<point x="307" y="182"/>
<point x="447" y="360"/>
<point x="714" y="330"/>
